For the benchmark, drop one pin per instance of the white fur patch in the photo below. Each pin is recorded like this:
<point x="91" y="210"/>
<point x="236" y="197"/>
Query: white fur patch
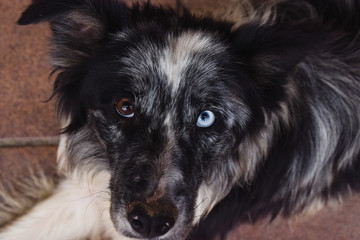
<point x="177" y="56"/>
<point x="62" y="156"/>
<point x="204" y="202"/>
<point x="77" y="210"/>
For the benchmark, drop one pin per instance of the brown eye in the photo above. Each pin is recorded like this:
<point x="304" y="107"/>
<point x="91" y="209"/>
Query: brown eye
<point x="125" y="107"/>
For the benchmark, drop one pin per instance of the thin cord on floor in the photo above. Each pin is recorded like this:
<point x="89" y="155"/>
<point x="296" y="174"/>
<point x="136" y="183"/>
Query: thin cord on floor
<point x="29" y="141"/>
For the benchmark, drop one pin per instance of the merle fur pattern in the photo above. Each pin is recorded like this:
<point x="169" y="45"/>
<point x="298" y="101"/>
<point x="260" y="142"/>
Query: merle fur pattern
<point x="285" y="93"/>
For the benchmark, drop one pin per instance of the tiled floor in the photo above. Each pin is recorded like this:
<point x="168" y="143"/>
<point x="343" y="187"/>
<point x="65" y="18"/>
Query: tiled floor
<point x="24" y="85"/>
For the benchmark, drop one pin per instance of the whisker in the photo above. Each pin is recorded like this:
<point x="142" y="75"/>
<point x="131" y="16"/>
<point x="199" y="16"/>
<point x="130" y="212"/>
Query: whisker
<point x="200" y="203"/>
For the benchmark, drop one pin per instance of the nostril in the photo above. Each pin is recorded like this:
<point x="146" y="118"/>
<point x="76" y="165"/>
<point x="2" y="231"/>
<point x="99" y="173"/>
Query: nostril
<point x="140" y="222"/>
<point x="162" y="225"/>
<point x="137" y="224"/>
<point x="164" y="228"/>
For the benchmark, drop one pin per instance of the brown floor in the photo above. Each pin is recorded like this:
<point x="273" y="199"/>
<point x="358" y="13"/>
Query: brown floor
<point x="24" y="85"/>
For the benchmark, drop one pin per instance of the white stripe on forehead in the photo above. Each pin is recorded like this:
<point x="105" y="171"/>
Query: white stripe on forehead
<point x="177" y="55"/>
<point x="169" y="126"/>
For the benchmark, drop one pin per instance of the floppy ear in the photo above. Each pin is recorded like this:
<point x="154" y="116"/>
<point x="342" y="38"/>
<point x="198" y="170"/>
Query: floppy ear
<point x="77" y="25"/>
<point x="270" y="53"/>
<point x="78" y="28"/>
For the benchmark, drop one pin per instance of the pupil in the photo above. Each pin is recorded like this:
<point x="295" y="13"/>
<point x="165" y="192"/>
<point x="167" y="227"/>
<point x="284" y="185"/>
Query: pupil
<point x="204" y="116"/>
<point x="126" y="107"/>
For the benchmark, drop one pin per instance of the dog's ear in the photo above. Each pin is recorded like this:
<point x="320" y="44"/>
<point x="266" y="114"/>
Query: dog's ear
<point x="270" y="53"/>
<point x="77" y="25"/>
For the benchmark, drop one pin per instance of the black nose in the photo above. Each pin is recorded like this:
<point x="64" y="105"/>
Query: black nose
<point x="152" y="220"/>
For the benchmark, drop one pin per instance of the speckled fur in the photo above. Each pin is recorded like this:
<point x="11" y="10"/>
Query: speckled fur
<point x="282" y="80"/>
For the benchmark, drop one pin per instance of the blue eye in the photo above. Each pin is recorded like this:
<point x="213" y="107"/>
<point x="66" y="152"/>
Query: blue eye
<point x="206" y="119"/>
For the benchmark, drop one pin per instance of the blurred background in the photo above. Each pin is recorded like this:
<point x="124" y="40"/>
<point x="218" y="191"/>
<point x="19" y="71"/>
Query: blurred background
<point x="24" y="113"/>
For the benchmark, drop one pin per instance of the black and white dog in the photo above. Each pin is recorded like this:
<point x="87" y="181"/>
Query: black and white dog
<point x="181" y="127"/>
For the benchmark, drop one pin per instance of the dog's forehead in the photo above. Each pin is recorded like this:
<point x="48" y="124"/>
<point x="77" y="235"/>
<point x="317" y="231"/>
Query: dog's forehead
<point x="173" y="65"/>
<point x="187" y="52"/>
<point x="171" y="56"/>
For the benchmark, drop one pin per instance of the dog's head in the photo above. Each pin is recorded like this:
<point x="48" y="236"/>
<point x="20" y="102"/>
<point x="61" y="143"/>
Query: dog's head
<point x="178" y="109"/>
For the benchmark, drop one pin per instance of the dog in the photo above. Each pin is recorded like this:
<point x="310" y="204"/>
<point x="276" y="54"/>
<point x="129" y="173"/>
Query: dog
<point x="179" y="126"/>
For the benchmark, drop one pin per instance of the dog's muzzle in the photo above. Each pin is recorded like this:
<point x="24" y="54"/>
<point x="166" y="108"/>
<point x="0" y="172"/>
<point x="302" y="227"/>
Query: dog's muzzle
<point x="152" y="219"/>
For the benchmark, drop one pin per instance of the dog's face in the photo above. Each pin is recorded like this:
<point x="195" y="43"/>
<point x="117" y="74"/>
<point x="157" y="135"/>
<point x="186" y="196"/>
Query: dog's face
<point x="172" y="106"/>
<point x="167" y="134"/>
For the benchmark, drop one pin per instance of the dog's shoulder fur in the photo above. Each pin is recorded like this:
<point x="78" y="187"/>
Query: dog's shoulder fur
<point x="329" y="86"/>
